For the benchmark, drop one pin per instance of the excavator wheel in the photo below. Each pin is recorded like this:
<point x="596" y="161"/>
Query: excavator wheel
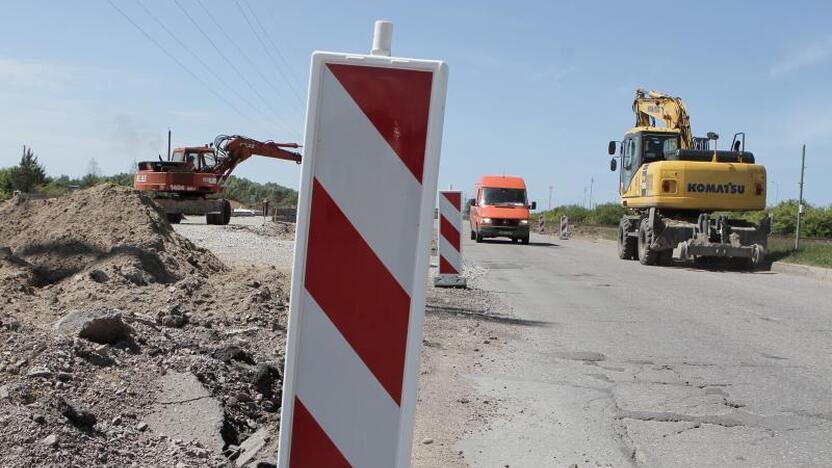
<point x="646" y="255"/>
<point x="626" y="244"/>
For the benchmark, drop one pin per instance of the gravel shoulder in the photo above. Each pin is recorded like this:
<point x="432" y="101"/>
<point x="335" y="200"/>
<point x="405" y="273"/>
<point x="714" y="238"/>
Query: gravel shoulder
<point x="244" y="241"/>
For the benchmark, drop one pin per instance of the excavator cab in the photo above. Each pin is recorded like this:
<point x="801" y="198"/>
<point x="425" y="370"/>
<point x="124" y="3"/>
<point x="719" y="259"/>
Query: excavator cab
<point x="200" y="159"/>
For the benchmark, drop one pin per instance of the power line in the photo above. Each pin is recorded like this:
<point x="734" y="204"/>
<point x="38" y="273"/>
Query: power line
<point x="241" y="51"/>
<point x="196" y="57"/>
<point x="220" y="52"/>
<point x="178" y="62"/>
<point x="266" y="49"/>
<point x="294" y="79"/>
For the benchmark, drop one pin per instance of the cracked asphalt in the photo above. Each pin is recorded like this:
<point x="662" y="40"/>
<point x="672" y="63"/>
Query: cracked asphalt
<point x="628" y="365"/>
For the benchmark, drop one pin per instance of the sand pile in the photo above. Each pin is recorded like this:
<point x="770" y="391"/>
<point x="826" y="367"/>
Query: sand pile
<point x="109" y="232"/>
<point x="68" y="400"/>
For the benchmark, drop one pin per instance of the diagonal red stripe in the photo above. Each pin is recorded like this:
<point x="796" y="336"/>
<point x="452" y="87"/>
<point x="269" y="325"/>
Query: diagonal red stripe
<point x="445" y="267"/>
<point x="455" y="198"/>
<point x="369" y="308"/>
<point x="449" y="232"/>
<point x="397" y="102"/>
<point x="311" y="447"/>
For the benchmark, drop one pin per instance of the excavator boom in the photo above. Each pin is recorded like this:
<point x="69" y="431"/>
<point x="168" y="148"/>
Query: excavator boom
<point x="233" y="150"/>
<point x="671" y="110"/>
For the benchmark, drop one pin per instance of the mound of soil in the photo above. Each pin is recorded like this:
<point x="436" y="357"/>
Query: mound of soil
<point x="115" y="231"/>
<point x="111" y="247"/>
<point x="278" y="229"/>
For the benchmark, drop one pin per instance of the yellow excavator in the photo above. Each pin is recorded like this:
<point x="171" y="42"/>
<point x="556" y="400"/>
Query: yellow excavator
<point x="678" y="187"/>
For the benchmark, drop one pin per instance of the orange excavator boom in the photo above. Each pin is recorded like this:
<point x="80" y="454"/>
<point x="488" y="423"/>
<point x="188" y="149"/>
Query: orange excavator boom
<point x="234" y="149"/>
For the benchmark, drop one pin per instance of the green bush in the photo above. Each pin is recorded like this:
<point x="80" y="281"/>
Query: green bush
<point x="815" y="222"/>
<point x="5" y="182"/>
<point x="607" y="214"/>
<point x="250" y="192"/>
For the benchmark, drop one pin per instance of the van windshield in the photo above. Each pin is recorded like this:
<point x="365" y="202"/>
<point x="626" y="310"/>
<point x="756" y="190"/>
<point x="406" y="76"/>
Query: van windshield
<point x="503" y="196"/>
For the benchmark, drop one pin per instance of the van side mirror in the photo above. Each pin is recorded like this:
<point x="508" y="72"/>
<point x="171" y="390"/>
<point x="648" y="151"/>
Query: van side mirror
<point x="611" y="148"/>
<point x="613" y="164"/>
<point x="534" y="205"/>
<point x="472" y="202"/>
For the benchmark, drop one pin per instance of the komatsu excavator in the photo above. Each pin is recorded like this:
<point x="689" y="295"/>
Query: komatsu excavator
<point x="187" y="183"/>
<point x="678" y="187"/>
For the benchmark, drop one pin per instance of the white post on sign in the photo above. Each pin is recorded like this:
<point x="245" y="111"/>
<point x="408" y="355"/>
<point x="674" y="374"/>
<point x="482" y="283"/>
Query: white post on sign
<point x="450" y="241"/>
<point x="369" y="177"/>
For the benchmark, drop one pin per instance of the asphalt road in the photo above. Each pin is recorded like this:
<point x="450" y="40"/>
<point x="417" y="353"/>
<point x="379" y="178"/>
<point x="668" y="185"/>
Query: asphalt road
<point x="629" y="365"/>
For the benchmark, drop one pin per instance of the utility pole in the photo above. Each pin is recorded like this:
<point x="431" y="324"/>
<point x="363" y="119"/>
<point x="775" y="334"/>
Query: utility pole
<point x="550" y="198"/>
<point x="591" y="183"/>
<point x="584" y="196"/>
<point x="800" y="203"/>
<point x="168" y="144"/>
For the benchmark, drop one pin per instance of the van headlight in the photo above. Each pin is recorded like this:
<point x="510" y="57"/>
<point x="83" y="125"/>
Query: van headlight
<point x="486" y="220"/>
<point x="524" y="221"/>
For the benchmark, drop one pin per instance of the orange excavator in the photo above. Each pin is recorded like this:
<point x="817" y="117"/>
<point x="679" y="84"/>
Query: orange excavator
<point x="188" y="182"/>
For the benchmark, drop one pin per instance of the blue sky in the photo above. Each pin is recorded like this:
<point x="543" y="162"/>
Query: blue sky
<point x="536" y="88"/>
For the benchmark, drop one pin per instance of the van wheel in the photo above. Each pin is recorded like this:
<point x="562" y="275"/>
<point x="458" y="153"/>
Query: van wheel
<point x="525" y="240"/>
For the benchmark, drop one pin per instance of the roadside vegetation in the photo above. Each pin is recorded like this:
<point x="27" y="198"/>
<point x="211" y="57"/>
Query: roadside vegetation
<point x="812" y="251"/>
<point x="30" y="176"/>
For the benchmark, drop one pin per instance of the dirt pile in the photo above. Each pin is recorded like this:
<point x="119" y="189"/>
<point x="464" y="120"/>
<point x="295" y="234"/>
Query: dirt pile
<point x="108" y="253"/>
<point x="110" y="232"/>
<point x="277" y="229"/>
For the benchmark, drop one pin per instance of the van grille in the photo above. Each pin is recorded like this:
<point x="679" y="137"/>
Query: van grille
<point x="504" y="222"/>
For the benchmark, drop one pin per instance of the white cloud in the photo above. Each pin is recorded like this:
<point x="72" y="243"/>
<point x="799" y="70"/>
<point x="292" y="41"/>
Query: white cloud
<point x="812" y="54"/>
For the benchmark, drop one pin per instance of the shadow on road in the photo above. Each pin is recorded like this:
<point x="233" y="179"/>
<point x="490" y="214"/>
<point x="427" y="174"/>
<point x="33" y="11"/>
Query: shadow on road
<point x="510" y="242"/>
<point x="722" y="265"/>
<point x="481" y="315"/>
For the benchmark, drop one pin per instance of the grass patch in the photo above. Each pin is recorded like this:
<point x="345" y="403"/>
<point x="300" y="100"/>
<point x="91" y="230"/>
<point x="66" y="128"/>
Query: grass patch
<point x="812" y="252"/>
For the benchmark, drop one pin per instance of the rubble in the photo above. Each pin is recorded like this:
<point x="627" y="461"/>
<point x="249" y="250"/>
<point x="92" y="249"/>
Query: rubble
<point x="103" y="303"/>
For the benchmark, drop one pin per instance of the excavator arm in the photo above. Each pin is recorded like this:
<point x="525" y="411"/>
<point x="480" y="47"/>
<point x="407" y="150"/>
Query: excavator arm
<point x="231" y="150"/>
<point x="671" y="110"/>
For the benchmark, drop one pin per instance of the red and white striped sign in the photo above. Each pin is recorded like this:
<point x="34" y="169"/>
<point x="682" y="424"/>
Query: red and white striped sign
<point x="564" y="227"/>
<point x="450" y="239"/>
<point x="450" y="229"/>
<point x="374" y="127"/>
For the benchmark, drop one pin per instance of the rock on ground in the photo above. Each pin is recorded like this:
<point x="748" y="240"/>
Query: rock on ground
<point x="100" y="325"/>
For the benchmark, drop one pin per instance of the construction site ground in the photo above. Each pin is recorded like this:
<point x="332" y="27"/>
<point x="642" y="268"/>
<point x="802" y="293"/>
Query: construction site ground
<point x="128" y="341"/>
<point x="131" y="342"/>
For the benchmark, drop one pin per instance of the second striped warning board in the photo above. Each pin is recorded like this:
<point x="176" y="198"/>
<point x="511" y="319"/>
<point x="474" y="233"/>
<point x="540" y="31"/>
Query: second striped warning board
<point x="450" y="240"/>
